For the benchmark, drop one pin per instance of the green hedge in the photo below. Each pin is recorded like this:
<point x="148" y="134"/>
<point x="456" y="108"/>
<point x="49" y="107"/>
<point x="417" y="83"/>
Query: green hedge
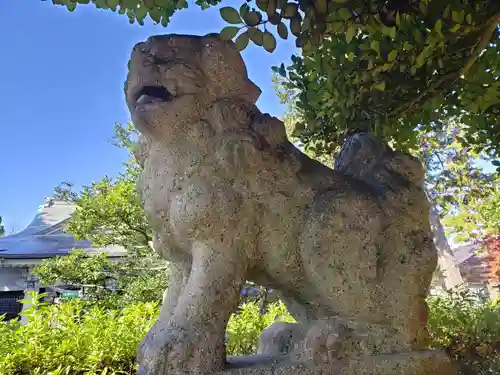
<point x="467" y="327"/>
<point x="74" y="339"/>
<point x="69" y="339"/>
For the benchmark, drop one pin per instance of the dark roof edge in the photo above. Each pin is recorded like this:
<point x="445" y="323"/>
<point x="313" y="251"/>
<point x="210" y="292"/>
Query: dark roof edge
<point x="46" y="255"/>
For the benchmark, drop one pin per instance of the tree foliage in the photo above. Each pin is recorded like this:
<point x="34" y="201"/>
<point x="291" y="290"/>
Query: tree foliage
<point x="391" y="67"/>
<point x="106" y="281"/>
<point x="455" y="174"/>
<point x="2" y="229"/>
<point x="109" y="212"/>
<point x="401" y="72"/>
<point x="478" y="221"/>
<point x="479" y="217"/>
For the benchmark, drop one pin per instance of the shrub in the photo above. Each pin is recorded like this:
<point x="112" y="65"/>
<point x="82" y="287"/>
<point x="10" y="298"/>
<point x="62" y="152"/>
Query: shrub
<point x="68" y="339"/>
<point x="245" y="326"/>
<point x="467" y="327"/>
<point x="74" y="338"/>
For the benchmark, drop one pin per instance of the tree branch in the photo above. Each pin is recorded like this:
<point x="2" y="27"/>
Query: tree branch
<point x="488" y="31"/>
<point x="131" y="227"/>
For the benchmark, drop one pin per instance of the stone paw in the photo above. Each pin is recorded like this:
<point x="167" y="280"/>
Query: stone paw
<point x="280" y="338"/>
<point x="331" y="339"/>
<point x="177" y="350"/>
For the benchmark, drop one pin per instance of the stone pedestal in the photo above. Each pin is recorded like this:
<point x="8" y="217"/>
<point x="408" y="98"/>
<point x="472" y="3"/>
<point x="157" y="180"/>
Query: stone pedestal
<point x="429" y="362"/>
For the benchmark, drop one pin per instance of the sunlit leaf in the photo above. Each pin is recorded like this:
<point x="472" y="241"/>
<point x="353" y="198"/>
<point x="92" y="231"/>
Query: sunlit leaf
<point x="230" y="15"/>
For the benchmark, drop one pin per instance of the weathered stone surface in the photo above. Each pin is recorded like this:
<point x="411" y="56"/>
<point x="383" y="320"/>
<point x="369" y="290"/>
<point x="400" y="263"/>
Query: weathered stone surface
<point x="412" y="363"/>
<point x="280" y="338"/>
<point x="231" y="199"/>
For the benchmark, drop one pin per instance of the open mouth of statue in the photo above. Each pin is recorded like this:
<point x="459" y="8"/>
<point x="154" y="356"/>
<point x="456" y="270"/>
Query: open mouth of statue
<point x="153" y="94"/>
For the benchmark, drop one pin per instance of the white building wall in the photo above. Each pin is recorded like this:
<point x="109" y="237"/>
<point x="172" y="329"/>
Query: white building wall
<point x="12" y="279"/>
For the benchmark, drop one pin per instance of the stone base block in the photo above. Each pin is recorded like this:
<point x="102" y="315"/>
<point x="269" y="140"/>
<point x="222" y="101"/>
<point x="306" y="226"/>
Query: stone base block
<point x="414" y="363"/>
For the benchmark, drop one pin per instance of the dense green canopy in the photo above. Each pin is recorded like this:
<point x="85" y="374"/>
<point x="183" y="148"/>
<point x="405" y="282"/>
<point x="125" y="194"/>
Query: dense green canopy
<point x="392" y="67"/>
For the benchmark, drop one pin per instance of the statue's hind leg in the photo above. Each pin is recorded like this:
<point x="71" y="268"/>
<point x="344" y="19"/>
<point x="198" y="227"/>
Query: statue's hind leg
<point x="339" y="252"/>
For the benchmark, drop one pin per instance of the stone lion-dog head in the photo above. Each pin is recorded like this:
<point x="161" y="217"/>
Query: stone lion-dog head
<point x="176" y="80"/>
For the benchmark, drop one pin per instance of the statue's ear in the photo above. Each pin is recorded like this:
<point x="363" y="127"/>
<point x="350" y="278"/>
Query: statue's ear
<point x="141" y="150"/>
<point x="226" y="70"/>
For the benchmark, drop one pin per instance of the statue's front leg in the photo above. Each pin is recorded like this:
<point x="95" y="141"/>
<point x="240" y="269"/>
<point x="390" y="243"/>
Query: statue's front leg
<point x="193" y="338"/>
<point x="178" y="277"/>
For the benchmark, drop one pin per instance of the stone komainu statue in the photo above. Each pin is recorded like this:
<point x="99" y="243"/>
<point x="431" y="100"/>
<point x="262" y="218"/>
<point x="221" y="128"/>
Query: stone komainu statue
<point x="231" y="199"/>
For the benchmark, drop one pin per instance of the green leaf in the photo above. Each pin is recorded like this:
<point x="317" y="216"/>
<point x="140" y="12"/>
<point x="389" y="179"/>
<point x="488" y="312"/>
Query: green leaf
<point x="389" y="31"/>
<point x="392" y="55"/>
<point x="269" y="42"/>
<point x="71" y="6"/>
<point x="321" y="6"/>
<point x="230" y="15"/>
<point x="295" y="26"/>
<point x="150" y="4"/>
<point x="262" y="4"/>
<point x="351" y="31"/>
<point x="345" y="13"/>
<point x="290" y="10"/>
<point x="271" y="7"/>
<point x="112" y="4"/>
<point x="468" y="18"/>
<point x="252" y="18"/>
<point x="282" y="70"/>
<point x="439" y="27"/>
<point x="140" y="13"/>
<point x="155" y="14"/>
<point x="420" y="60"/>
<point x="380" y="86"/>
<point x="282" y="31"/>
<point x="129" y="4"/>
<point x="101" y="4"/>
<point x="229" y="32"/>
<point x="457" y="16"/>
<point x="181" y="4"/>
<point x="275" y="19"/>
<point x="244" y="9"/>
<point x="256" y="35"/>
<point x="280" y="4"/>
<point x="241" y="41"/>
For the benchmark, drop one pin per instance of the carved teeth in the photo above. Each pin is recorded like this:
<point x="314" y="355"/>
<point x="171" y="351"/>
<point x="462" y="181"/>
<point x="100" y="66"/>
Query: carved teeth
<point x="146" y="99"/>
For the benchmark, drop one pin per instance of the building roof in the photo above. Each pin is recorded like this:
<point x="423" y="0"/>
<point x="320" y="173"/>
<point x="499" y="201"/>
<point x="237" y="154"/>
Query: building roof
<point x="44" y="237"/>
<point x="475" y="266"/>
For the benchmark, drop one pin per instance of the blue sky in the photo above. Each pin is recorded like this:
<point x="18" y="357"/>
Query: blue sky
<point x="62" y="80"/>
